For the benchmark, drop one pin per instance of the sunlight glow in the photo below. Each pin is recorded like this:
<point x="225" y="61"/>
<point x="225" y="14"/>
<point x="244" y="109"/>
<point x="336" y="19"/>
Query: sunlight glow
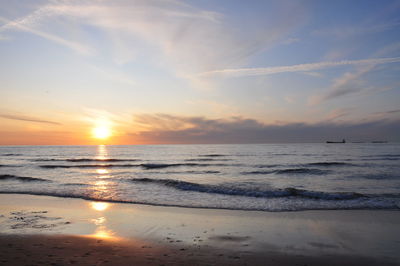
<point x="102" y="171"/>
<point x="99" y="206"/>
<point x="99" y="221"/>
<point x="101" y="132"/>
<point x="103" y="233"/>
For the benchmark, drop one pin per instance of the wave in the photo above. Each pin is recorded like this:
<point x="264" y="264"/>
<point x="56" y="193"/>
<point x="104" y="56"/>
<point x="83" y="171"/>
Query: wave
<point x="85" y="160"/>
<point x="206" y="160"/>
<point x="166" y="165"/>
<point x="382" y="155"/>
<point x="10" y="165"/>
<point x="75" y="184"/>
<point x="375" y="176"/>
<point x="52" y="166"/>
<point x="234" y="191"/>
<point x="101" y="160"/>
<point x="192" y="172"/>
<point x="322" y="164"/>
<point x="257" y="172"/>
<point x="329" y="164"/>
<point x="294" y="171"/>
<point x="22" y="178"/>
<point x="310" y="200"/>
<point x="213" y="155"/>
<point x="146" y="166"/>
<point x="309" y="171"/>
<point x="266" y="165"/>
<point x="11" y="154"/>
<point x="381" y="159"/>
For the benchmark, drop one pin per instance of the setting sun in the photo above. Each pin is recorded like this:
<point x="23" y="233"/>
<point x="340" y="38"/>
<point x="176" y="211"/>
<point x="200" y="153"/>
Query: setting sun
<point x="101" y="132"/>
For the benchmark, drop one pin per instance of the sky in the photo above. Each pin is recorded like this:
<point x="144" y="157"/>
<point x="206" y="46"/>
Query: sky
<point x="205" y="71"/>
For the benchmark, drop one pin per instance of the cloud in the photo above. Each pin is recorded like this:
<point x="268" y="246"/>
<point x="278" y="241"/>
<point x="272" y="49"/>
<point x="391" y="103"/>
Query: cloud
<point x="164" y="128"/>
<point x="348" y="83"/>
<point x="352" y="31"/>
<point x="353" y="82"/>
<point x="389" y="114"/>
<point x="392" y="111"/>
<point x="240" y="72"/>
<point x="339" y="113"/>
<point x="117" y="76"/>
<point x="20" y="117"/>
<point x="23" y="25"/>
<point x="181" y="38"/>
<point x="4" y="38"/>
<point x="291" y="41"/>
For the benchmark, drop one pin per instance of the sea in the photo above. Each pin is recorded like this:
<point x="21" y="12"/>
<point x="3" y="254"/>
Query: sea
<point x="263" y="177"/>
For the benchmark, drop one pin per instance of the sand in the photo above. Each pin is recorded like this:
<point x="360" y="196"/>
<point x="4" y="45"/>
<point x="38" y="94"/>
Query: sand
<point x="41" y="230"/>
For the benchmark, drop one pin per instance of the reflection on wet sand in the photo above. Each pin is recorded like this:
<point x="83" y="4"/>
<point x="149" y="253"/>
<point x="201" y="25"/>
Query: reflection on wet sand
<point x="104" y="233"/>
<point x="100" y="206"/>
<point x="101" y="230"/>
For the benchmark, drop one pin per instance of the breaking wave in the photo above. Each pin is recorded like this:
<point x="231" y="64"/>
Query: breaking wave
<point x="235" y="191"/>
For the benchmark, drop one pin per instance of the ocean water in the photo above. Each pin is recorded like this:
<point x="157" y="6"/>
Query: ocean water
<point x="266" y="177"/>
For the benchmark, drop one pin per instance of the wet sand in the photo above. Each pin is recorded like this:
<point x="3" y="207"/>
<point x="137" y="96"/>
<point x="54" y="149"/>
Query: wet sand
<point x="39" y="230"/>
<point x="75" y="250"/>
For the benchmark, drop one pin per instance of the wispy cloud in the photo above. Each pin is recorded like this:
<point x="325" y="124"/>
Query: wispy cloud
<point x="291" y="41"/>
<point x="117" y="76"/>
<point x="352" y="31"/>
<point x="348" y="83"/>
<point x="240" y="72"/>
<point x="26" y="118"/>
<point x="22" y="25"/>
<point x="339" y="113"/>
<point x="387" y="114"/>
<point x="182" y="38"/>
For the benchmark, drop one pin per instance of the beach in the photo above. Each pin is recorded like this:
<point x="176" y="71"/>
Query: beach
<point x="181" y="132"/>
<point x="43" y="230"/>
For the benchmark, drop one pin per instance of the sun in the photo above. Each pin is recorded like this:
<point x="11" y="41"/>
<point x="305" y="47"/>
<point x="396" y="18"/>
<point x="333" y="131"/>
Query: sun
<point x="101" y="132"/>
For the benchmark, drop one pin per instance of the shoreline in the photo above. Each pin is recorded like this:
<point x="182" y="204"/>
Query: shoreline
<point x="190" y="207"/>
<point x="179" y="236"/>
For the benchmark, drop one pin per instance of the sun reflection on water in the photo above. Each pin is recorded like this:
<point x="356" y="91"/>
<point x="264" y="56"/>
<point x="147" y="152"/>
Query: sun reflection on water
<point x="102" y="171"/>
<point x="102" y="153"/>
